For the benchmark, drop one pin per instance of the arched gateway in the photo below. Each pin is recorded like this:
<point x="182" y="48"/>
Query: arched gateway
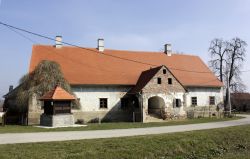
<point x="155" y="105"/>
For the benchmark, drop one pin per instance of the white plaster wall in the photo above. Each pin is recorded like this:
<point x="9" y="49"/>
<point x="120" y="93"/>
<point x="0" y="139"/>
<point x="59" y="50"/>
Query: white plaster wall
<point x="203" y="94"/>
<point x="89" y="96"/>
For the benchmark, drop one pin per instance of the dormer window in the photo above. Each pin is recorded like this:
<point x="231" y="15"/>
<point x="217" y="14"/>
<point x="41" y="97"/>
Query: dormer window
<point x="159" y="80"/>
<point x="169" y="80"/>
<point x="164" y="71"/>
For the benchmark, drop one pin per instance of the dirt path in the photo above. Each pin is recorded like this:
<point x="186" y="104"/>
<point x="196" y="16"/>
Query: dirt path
<point x="12" y="138"/>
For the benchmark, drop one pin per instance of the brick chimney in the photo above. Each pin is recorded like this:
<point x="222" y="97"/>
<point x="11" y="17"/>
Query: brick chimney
<point x="100" y="45"/>
<point x="168" y="49"/>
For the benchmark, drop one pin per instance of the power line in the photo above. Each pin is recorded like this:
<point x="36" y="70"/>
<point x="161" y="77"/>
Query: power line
<point x="33" y="41"/>
<point x="21" y="34"/>
<point x="13" y="28"/>
<point x="70" y="44"/>
<point x="52" y="39"/>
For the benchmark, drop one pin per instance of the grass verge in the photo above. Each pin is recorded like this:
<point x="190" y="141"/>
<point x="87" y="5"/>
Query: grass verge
<point x="226" y="143"/>
<point x="106" y="126"/>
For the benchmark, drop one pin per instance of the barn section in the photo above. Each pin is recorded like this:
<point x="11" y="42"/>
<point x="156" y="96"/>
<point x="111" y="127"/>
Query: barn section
<point x="57" y="108"/>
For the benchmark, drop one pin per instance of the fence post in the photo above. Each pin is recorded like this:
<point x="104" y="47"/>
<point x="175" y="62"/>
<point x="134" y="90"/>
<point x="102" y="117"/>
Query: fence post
<point x="133" y="116"/>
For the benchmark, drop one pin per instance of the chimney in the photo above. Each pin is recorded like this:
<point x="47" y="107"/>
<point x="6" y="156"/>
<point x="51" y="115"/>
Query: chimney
<point x="168" y="49"/>
<point x="100" y="45"/>
<point x="11" y="88"/>
<point x="58" y="42"/>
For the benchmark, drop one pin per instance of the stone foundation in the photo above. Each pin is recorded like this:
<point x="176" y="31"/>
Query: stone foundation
<point x="104" y="116"/>
<point x="203" y="111"/>
<point x="57" y="120"/>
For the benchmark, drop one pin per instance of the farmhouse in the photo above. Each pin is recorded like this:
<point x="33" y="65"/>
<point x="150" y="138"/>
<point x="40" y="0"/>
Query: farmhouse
<point x="120" y="85"/>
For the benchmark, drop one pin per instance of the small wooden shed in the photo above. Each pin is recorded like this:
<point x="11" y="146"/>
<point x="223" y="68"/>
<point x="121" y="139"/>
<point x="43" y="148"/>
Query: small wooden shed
<point x="57" y="108"/>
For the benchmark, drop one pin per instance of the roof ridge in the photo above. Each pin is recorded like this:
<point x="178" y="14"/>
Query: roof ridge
<point x="120" y="50"/>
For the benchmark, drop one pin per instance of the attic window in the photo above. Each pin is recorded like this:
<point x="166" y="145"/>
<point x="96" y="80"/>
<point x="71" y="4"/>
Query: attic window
<point x="164" y="71"/>
<point x="159" y="80"/>
<point x="169" y="80"/>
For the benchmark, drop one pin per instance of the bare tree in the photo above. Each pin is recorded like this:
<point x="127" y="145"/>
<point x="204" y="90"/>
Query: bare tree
<point x="227" y="58"/>
<point x="226" y="61"/>
<point x="238" y="86"/>
<point x="235" y="58"/>
<point x="217" y="50"/>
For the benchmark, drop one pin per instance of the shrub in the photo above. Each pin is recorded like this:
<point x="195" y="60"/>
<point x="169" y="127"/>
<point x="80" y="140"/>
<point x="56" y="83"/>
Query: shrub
<point x="80" y="121"/>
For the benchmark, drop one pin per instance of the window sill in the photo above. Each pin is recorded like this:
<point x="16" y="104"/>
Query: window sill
<point x="103" y="108"/>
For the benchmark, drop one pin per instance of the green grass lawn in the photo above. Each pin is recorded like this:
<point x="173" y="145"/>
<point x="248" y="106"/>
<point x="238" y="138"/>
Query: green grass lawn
<point x="224" y="143"/>
<point x="105" y="126"/>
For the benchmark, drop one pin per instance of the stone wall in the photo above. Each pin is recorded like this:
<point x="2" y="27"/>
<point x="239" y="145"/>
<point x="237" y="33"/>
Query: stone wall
<point x="203" y="111"/>
<point x="57" y="120"/>
<point x="104" y="116"/>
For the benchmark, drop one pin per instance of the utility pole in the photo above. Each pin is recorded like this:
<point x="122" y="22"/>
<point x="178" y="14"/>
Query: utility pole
<point x="229" y="96"/>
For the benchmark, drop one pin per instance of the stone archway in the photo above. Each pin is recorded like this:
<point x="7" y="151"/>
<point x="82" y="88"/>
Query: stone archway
<point x="155" y="105"/>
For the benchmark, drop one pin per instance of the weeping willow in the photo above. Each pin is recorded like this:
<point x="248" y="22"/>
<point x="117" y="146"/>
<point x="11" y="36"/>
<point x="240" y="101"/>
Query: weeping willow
<point x="44" y="78"/>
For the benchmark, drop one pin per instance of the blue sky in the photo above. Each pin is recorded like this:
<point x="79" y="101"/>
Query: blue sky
<point x="132" y="25"/>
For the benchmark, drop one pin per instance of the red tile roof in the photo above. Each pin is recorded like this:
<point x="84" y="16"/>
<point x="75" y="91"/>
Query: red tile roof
<point x="88" y="66"/>
<point x="57" y="94"/>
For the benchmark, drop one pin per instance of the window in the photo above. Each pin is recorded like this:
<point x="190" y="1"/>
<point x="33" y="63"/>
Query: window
<point x="164" y="71"/>
<point x="159" y="80"/>
<point x="194" y="101"/>
<point x="177" y="103"/>
<point x="169" y="80"/>
<point x="103" y="102"/>
<point x="211" y="100"/>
